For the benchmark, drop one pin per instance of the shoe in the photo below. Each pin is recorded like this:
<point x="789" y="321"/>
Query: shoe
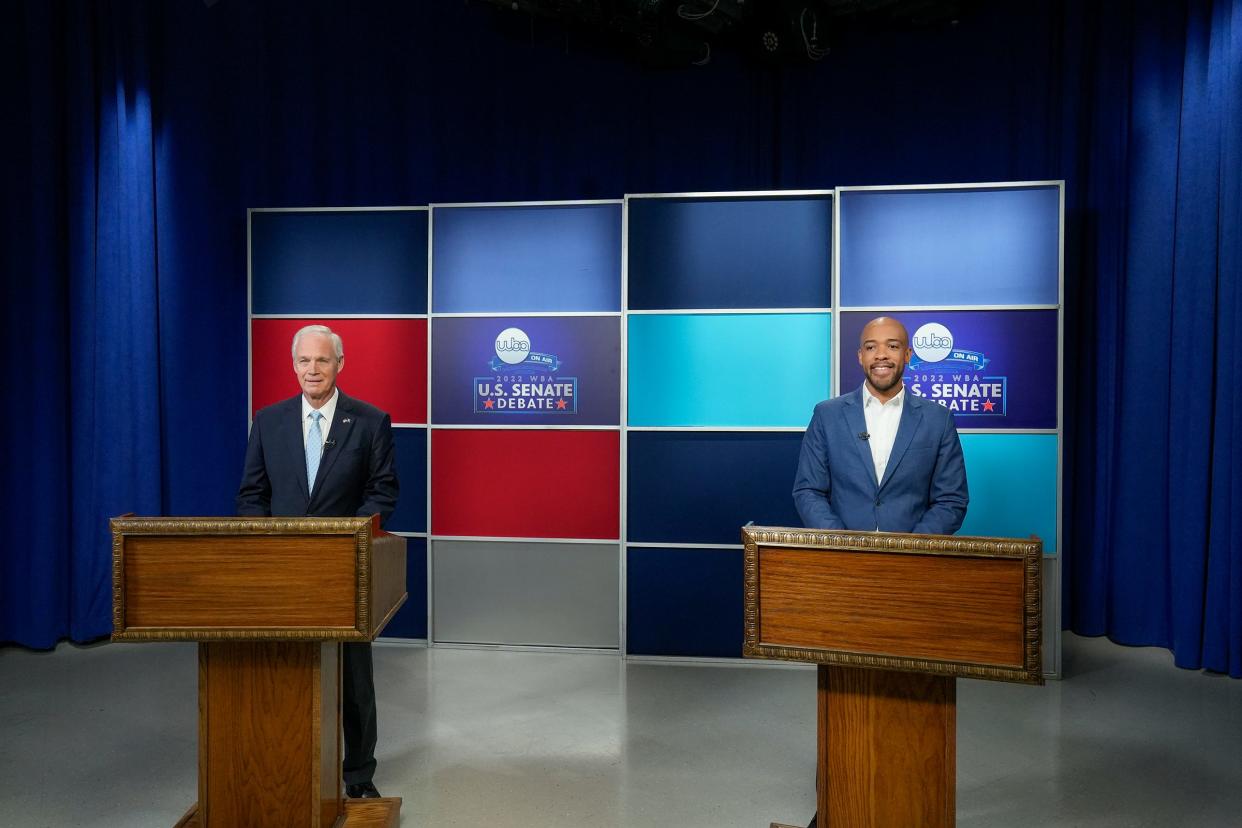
<point x="363" y="790"/>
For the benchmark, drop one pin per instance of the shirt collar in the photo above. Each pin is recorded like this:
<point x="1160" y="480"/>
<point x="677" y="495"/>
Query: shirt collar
<point x="870" y="399"/>
<point x="328" y="409"/>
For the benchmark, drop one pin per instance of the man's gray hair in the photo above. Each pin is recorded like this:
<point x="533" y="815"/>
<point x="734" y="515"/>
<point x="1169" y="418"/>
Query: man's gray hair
<point x="322" y="330"/>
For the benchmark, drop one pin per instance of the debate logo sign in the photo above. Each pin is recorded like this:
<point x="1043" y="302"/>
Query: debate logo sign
<point x="523" y="380"/>
<point x="953" y="376"/>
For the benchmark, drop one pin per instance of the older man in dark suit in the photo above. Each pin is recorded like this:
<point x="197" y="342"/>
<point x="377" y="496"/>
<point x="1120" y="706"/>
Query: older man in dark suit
<point x="323" y="454"/>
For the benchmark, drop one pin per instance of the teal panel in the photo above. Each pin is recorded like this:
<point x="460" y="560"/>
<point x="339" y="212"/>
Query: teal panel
<point x="727" y="369"/>
<point x="1013" y="486"/>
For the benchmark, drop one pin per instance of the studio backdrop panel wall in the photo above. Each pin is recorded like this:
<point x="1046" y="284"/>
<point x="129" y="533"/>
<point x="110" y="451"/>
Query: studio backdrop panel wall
<point x="591" y="398"/>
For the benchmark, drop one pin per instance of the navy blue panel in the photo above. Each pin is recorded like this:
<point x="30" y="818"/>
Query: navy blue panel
<point x="411" y="620"/>
<point x="683" y="602"/>
<point x="730" y="253"/>
<point x="701" y="486"/>
<point x="528" y="258"/>
<point x="337" y="262"/>
<point x="950" y="247"/>
<point x="411" y="512"/>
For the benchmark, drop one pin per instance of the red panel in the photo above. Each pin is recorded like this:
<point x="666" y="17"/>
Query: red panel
<point x="526" y="484"/>
<point x="385" y="363"/>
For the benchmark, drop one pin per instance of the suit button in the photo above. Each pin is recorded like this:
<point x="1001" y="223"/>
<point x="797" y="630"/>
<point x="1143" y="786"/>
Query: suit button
<point x="877" y="503"/>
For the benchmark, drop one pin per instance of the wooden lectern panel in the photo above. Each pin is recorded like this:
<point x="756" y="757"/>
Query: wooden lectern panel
<point x="958" y="609"/>
<point x="254" y="579"/>
<point x="956" y="606"/>
<point x="219" y="582"/>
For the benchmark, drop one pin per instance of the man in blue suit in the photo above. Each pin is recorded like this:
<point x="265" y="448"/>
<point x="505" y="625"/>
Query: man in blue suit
<point x="323" y="454"/>
<point x="879" y="458"/>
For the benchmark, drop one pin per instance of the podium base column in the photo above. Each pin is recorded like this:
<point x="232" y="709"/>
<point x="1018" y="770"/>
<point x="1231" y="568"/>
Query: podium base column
<point x="887" y="748"/>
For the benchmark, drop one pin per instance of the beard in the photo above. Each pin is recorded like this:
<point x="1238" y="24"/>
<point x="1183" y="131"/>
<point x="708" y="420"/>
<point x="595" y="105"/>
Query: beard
<point x="884" y="383"/>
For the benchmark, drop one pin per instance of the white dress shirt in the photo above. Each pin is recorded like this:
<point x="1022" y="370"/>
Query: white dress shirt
<point x="883" y="419"/>
<point x="328" y="410"/>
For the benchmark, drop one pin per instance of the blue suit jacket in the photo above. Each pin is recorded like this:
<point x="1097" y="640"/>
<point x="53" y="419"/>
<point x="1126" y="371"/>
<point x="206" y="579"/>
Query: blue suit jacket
<point x="924" y="486"/>
<point x="357" y="473"/>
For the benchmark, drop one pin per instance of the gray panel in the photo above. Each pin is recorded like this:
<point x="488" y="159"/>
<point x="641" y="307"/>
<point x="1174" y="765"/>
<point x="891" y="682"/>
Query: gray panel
<point x="501" y="592"/>
<point x="1051" y="639"/>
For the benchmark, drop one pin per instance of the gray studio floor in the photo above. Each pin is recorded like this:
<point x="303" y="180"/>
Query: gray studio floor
<point x="105" y="736"/>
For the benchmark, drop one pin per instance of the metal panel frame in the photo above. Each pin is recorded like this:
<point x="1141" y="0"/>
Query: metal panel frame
<point x="251" y="316"/>
<point x="432" y="316"/>
<point x="1052" y="625"/>
<point x="738" y="195"/>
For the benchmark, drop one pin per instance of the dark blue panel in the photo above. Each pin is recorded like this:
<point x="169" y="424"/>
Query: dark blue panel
<point x="336" y="262"/>
<point x="701" y="487"/>
<point x="411" y="512"/>
<point x="527" y="258"/>
<point x="730" y="253"/>
<point x="950" y="247"/>
<point x="683" y="602"/>
<point x="411" y="620"/>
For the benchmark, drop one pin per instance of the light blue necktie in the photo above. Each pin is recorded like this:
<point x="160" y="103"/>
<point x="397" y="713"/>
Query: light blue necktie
<point x="314" y="449"/>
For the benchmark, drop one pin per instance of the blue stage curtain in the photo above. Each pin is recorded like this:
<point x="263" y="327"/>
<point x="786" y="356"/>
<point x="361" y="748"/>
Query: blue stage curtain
<point x="116" y="340"/>
<point x="1154" y="526"/>
<point x="140" y="133"/>
<point x="91" y="446"/>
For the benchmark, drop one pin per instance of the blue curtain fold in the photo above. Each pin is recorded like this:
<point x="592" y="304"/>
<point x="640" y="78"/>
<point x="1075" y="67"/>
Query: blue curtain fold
<point x="144" y="131"/>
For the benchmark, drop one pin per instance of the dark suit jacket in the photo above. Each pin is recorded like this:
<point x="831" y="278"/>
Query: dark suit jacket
<point x="357" y="473"/>
<point x="924" y="486"/>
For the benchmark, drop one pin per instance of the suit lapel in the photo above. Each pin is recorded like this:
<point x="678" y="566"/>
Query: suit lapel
<point x="856" y="422"/>
<point x="911" y="416"/>
<point x="294" y="442"/>
<point x="342" y="424"/>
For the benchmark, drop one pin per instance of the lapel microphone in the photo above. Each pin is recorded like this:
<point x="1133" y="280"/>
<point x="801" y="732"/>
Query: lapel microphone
<point x="327" y="444"/>
<point x="862" y="435"/>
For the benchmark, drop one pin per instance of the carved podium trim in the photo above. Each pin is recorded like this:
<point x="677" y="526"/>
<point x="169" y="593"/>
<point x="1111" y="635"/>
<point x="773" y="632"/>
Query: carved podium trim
<point x="1027" y="553"/>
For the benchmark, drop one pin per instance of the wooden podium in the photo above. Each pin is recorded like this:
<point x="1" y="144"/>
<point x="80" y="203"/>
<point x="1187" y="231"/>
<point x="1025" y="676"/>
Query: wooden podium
<point x="892" y="620"/>
<point x="269" y="600"/>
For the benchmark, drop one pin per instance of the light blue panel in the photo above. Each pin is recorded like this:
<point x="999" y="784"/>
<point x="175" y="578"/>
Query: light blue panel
<point x="996" y="246"/>
<point x="1013" y="486"/>
<point x="727" y="369"/>
<point x="521" y="259"/>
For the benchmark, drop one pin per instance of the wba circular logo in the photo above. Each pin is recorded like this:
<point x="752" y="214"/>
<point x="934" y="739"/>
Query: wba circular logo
<point x="932" y="342"/>
<point x="512" y="346"/>
<point x="523" y="380"/>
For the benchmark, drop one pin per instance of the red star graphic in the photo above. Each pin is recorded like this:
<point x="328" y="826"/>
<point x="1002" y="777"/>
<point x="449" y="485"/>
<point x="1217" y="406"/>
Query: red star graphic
<point x="560" y="405"/>
<point x="988" y="405"/>
<point x="488" y="404"/>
